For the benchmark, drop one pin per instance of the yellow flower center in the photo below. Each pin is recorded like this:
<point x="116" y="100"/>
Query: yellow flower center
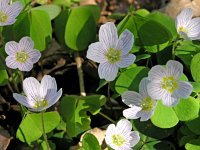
<point x="170" y="84"/>
<point x="3" y="17"/>
<point x="21" y="56"/>
<point x="147" y="104"/>
<point x="41" y="104"/>
<point x="182" y="29"/>
<point x="118" y="140"/>
<point x="113" y="55"/>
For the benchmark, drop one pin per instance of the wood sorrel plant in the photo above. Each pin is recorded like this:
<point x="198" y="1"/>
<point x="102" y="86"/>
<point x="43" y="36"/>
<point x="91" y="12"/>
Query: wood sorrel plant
<point x="149" y="59"/>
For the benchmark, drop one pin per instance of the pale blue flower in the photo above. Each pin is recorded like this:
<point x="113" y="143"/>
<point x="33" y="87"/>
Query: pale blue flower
<point x="141" y="104"/>
<point x="165" y="84"/>
<point x="9" y="12"/>
<point x="120" y="137"/>
<point x="112" y="53"/>
<point x="22" y="55"/>
<point x="39" y="96"/>
<point x="186" y="26"/>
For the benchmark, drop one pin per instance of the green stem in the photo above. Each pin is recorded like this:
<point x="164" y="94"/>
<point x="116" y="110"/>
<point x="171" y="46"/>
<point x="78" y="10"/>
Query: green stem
<point x="105" y="116"/>
<point x="44" y="134"/>
<point x="108" y="92"/>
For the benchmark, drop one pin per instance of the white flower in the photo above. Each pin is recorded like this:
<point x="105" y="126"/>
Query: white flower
<point x="141" y="104"/>
<point x="187" y="27"/>
<point x="121" y="137"/>
<point x="112" y="53"/>
<point x="39" y="96"/>
<point x="8" y="13"/>
<point x="22" y="55"/>
<point x="165" y="83"/>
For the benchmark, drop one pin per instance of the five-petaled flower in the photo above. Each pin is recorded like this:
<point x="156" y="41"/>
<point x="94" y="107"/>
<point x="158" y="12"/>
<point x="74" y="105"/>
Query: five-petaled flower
<point x="22" y="55"/>
<point x="188" y="28"/>
<point x="39" y="96"/>
<point x="165" y="84"/>
<point x="112" y="53"/>
<point x="141" y="104"/>
<point x="9" y="12"/>
<point x="120" y="137"/>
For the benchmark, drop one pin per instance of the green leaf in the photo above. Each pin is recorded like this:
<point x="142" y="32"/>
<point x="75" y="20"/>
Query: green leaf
<point x="51" y="9"/>
<point x="193" y="144"/>
<point x="158" y="145"/>
<point x="59" y="25"/>
<point x="40" y="28"/>
<point x="166" y="21"/>
<point x="90" y="142"/>
<point x="195" y="67"/>
<point x="153" y="33"/>
<point x="142" y="12"/>
<point x="150" y="130"/>
<point x="196" y="87"/>
<point x="73" y="110"/>
<point x="193" y="125"/>
<point x="186" y="139"/>
<point x="164" y="117"/>
<point x="130" y="79"/>
<point x="3" y="74"/>
<point x="186" y="51"/>
<point x="80" y="29"/>
<point x="187" y="109"/>
<point x="30" y="128"/>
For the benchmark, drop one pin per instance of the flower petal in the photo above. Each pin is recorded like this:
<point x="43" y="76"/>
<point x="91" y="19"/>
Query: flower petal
<point x="156" y="73"/>
<point x="11" y="48"/>
<point x="145" y="115"/>
<point x="34" y="55"/>
<point x="126" y="61"/>
<point x="125" y="42"/>
<point x="96" y="52"/>
<point x="31" y="88"/>
<point x="184" y="90"/>
<point x="124" y="127"/>
<point x="131" y="98"/>
<point x="135" y="138"/>
<point x="143" y="87"/>
<point x="55" y="98"/>
<point x="27" y="66"/>
<point x="155" y="90"/>
<point x="107" y="71"/>
<point x="131" y="113"/>
<point x="109" y="133"/>
<point x="174" y="68"/>
<point x="11" y="62"/>
<point x="23" y="100"/>
<point x="108" y="35"/>
<point x="26" y="43"/>
<point x="48" y="87"/>
<point x="184" y="17"/>
<point x="169" y="99"/>
<point x="194" y="29"/>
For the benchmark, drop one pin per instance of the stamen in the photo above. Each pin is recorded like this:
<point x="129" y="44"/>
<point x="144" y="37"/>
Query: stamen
<point x="147" y="104"/>
<point x="113" y="55"/>
<point x="41" y="104"/>
<point x="170" y="84"/>
<point x="3" y="17"/>
<point x="21" y="56"/>
<point x="118" y="140"/>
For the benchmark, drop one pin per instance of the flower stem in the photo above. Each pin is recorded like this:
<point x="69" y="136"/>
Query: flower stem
<point x="44" y="134"/>
<point x="80" y="74"/>
<point x="105" y="116"/>
<point x="108" y="92"/>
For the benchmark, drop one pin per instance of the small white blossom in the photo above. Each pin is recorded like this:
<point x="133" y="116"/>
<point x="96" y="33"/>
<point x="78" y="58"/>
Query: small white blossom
<point x="165" y="83"/>
<point x="188" y="28"/>
<point x="22" y="55"/>
<point x="9" y="12"/>
<point x="112" y="53"/>
<point x="141" y="104"/>
<point x="39" y="96"/>
<point x="120" y="137"/>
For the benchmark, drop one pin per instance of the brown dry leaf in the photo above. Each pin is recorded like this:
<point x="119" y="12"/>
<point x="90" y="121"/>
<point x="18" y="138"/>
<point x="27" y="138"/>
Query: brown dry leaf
<point x="98" y="133"/>
<point x="4" y="139"/>
<point x="175" y="6"/>
<point x="88" y="2"/>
